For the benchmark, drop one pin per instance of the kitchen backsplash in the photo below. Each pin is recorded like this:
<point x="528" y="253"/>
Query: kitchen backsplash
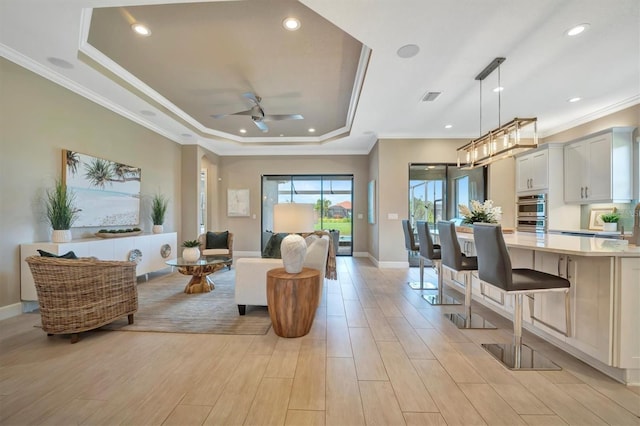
<point x="625" y="210"/>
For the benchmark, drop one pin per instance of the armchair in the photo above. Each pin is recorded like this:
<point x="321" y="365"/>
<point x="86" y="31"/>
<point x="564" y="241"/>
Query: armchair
<point x="77" y="295"/>
<point x="212" y="243"/>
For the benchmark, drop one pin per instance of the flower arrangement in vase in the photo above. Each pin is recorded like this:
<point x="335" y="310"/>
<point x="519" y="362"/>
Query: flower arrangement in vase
<point x="480" y="212"/>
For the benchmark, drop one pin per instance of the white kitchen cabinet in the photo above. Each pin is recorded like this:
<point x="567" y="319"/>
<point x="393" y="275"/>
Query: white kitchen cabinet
<point x="626" y="336"/>
<point x="156" y="249"/>
<point x="599" y="168"/>
<point x="540" y="171"/>
<point x="532" y="172"/>
<point x="590" y="297"/>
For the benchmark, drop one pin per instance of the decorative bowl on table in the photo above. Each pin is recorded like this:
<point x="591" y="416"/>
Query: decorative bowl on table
<point x="118" y="233"/>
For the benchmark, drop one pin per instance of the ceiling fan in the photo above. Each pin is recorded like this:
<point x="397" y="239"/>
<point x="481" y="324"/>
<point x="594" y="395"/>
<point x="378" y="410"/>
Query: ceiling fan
<point x="257" y="113"/>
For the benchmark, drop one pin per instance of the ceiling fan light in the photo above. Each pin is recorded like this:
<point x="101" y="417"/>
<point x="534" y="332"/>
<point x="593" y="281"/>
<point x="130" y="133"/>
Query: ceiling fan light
<point x="291" y="24"/>
<point x="141" y="29"/>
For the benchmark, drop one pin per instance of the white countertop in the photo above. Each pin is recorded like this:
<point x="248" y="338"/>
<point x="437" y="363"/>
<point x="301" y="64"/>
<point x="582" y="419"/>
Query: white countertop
<point x="567" y="244"/>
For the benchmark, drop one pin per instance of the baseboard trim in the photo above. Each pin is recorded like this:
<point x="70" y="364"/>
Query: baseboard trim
<point x="393" y="265"/>
<point x="10" y="311"/>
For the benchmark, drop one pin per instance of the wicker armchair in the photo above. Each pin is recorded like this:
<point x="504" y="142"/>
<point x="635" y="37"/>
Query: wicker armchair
<point x="83" y="294"/>
<point x="227" y="251"/>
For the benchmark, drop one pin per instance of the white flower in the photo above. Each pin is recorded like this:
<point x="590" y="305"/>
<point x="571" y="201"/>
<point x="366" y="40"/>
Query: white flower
<point x="480" y="212"/>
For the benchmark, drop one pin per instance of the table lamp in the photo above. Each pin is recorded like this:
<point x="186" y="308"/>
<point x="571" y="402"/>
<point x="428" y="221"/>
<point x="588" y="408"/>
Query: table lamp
<point x="293" y="218"/>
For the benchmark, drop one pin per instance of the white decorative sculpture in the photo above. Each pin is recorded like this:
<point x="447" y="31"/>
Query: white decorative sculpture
<point x="293" y="250"/>
<point x="293" y="218"/>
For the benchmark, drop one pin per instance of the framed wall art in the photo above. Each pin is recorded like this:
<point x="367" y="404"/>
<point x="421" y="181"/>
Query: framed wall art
<point x="107" y="193"/>
<point x="238" y="203"/>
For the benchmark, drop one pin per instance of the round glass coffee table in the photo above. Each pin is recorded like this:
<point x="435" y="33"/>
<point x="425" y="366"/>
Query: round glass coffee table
<point x="199" y="271"/>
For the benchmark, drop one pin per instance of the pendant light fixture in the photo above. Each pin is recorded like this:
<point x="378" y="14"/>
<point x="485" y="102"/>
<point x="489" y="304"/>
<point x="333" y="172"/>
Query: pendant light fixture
<point x="501" y="142"/>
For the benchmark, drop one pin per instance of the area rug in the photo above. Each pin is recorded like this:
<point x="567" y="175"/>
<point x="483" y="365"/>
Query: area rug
<point x="164" y="307"/>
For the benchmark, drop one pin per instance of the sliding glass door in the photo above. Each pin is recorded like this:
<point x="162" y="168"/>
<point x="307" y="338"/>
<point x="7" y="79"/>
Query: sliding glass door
<point x="436" y="190"/>
<point x="332" y="196"/>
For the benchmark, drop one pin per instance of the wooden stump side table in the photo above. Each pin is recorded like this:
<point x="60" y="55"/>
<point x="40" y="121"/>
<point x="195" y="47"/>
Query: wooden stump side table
<point x="293" y="300"/>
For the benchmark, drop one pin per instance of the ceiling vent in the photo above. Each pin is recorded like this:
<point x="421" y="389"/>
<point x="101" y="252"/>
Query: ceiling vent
<point x="431" y="96"/>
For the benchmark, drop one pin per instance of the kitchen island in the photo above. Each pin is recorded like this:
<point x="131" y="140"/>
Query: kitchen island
<point x="605" y="297"/>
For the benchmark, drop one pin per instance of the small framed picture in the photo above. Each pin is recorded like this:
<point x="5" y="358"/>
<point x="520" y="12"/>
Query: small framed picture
<point x="595" y="222"/>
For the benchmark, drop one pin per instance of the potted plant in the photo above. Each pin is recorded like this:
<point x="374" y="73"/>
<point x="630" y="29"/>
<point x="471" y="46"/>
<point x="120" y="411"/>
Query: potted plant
<point x="159" y="205"/>
<point x="610" y="221"/>
<point x="191" y="251"/>
<point x="60" y="211"/>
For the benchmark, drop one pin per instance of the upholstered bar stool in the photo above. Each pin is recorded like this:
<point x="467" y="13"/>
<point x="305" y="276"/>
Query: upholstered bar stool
<point x="494" y="268"/>
<point x="454" y="261"/>
<point x="432" y="253"/>
<point x="411" y="246"/>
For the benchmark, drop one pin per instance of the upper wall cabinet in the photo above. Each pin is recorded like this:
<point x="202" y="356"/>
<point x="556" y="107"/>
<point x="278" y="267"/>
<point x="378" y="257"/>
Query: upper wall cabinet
<point x="599" y="168"/>
<point x="532" y="172"/>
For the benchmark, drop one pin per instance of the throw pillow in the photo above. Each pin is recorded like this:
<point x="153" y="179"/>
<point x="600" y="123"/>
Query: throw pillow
<point x="272" y="249"/>
<point x="68" y="255"/>
<point x="310" y="239"/>
<point x="217" y="240"/>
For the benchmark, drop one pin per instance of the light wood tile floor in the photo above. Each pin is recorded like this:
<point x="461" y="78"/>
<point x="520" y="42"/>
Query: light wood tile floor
<point x="377" y="354"/>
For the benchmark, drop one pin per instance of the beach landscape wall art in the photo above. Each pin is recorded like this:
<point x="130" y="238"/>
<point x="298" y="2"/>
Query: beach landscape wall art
<point x="107" y="193"/>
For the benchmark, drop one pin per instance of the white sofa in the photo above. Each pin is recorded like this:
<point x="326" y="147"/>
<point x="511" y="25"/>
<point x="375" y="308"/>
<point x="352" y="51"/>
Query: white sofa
<point x="251" y="273"/>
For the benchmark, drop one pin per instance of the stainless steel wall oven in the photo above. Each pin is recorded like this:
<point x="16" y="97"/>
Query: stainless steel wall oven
<point x="531" y="211"/>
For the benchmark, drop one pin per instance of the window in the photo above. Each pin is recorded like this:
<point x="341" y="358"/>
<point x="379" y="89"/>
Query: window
<point x="462" y="193"/>
<point x="436" y="190"/>
<point x="332" y="196"/>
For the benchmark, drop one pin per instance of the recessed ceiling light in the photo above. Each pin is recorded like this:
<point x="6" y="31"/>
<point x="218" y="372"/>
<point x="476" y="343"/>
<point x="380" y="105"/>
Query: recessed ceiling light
<point x="408" y="51"/>
<point x="576" y="99"/>
<point x="141" y="29"/>
<point x="187" y="135"/>
<point x="243" y="130"/>
<point x="312" y="130"/>
<point x="498" y="89"/>
<point x="578" y="29"/>
<point x="291" y="24"/>
<point x="448" y="126"/>
<point x="59" y="62"/>
<point x="281" y="134"/>
<point x="147" y="113"/>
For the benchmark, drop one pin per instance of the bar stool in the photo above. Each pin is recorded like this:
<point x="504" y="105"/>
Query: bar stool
<point x="494" y="268"/>
<point x="432" y="253"/>
<point x="411" y="246"/>
<point x="456" y="262"/>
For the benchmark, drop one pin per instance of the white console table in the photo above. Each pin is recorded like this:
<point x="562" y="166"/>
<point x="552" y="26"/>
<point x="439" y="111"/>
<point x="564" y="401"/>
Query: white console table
<point x="152" y="246"/>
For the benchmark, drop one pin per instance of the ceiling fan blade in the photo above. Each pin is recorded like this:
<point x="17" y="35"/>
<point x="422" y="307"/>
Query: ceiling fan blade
<point x="247" y="112"/>
<point x="280" y="117"/>
<point x="261" y="125"/>
<point x="252" y="97"/>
